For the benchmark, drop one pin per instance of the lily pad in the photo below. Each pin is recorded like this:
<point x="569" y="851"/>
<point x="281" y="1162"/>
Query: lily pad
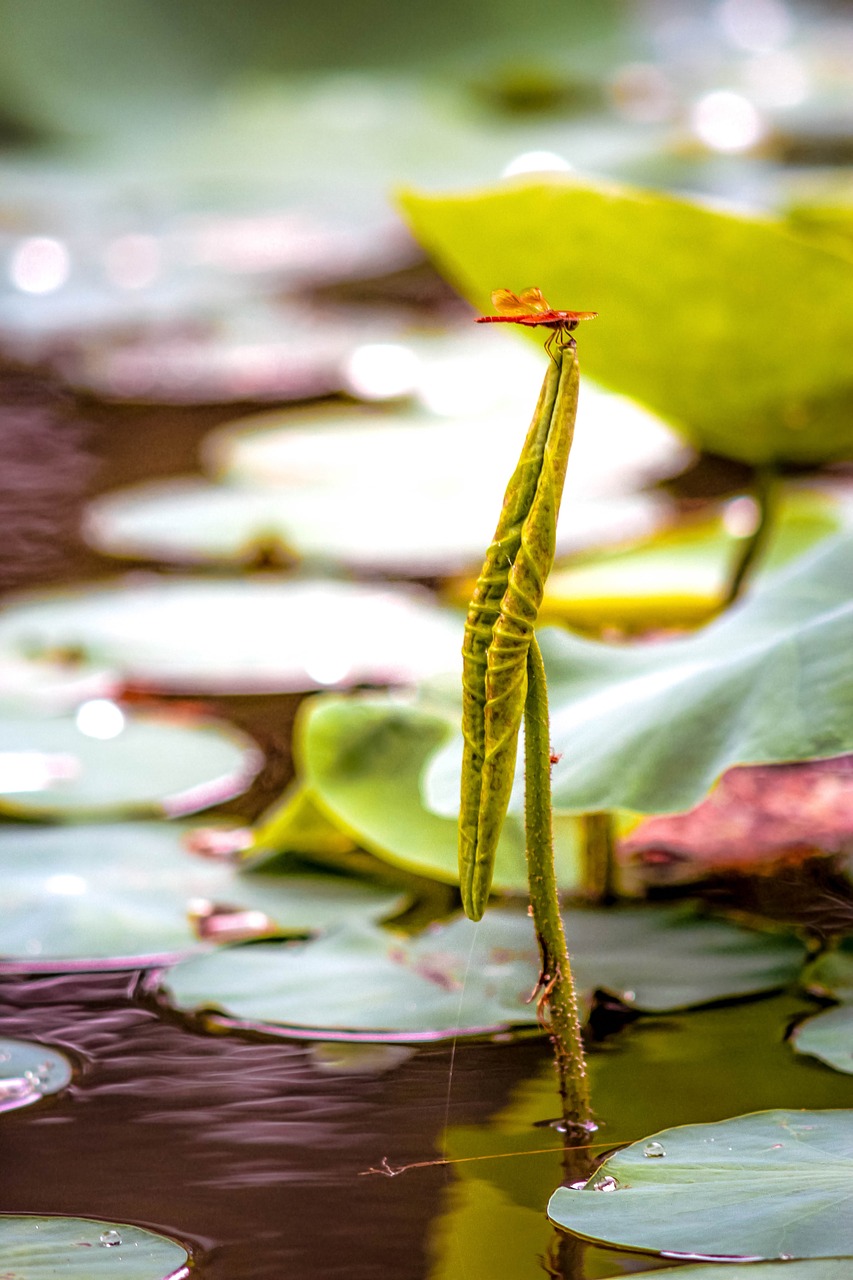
<point x="29" y="1072"/>
<point x="650" y="728"/>
<point x="829" y="1037"/>
<point x="102" y="762"/>
<point x="362" y="761"/>
<point x="125" y="895"/>
<point x="194" y="522"/>
<point x="344" y="479"/>
<point x="679" y="577"/>
<point x="821" y="1269"/>
<point x="34" y="1248"/>
<point x="464" y="978"/>
<point x="718" y="360"/>
<point x="255" y="635"/>
<point x="774" y="1184"/>
<point x="46" y="685"/>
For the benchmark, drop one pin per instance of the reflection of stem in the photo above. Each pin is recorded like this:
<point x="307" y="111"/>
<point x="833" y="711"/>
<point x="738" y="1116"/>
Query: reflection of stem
<point x="599" y="858"/>
<point x="765" y="491"/>
<point x="558" y="991"/>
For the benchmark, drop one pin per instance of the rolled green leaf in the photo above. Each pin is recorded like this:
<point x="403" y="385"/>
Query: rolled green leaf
<point x="500" y="623"/>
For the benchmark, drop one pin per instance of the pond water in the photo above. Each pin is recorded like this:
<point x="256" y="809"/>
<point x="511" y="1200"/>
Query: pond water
<point x="258" y="1157"/>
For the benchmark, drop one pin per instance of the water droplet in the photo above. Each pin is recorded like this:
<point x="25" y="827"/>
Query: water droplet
<point x="777" y="1146"/>
<point x="17" y="1091"/>
<point x="577" y="1186"/>
<point x="606" y="1184"/>
<point x="109" y="1239"/>
<point x="654" y="1150"/>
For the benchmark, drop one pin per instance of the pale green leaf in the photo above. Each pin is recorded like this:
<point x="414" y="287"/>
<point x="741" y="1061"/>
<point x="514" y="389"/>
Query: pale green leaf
<point x="732" y="327"/>
<point x="78" y="896"/>
<point x="467" y="978"/>
<point x="103" y="762"/>
<point x="774" y="1184"/>
<point x="33" y="1248"/>
<point x="651" y="727"/>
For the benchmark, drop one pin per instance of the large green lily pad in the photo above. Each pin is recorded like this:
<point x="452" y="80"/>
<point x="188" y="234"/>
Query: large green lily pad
<point x="362" y="760"/>
<point x="102" y="762"/>
<point x="254" y="635"/>
<point x="650" y="728"/>
<point x="732" y="327"/>
<point x="122" y="895"/>
<point x="465" y="978"/>
<point x="774" y="1184"/>
<point x="34" y="1248"/>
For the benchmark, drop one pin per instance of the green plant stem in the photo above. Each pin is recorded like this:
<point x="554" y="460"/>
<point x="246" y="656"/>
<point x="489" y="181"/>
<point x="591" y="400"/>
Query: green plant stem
<point x="765" y="493"/>
<point x="557" y="987"/>
<point x="599" y="858"/>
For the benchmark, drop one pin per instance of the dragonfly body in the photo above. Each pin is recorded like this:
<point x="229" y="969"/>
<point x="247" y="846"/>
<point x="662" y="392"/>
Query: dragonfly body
<point x="530" y="308"/>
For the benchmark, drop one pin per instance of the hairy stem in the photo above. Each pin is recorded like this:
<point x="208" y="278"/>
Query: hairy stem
<point x="599" y="858"/>
<point x="557" y="1000"/>
<point x="752" y="547"/>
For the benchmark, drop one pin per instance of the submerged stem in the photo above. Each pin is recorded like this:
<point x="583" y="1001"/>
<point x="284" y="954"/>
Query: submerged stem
<point x="765" y="493"/>
<point x="558" y="995"/>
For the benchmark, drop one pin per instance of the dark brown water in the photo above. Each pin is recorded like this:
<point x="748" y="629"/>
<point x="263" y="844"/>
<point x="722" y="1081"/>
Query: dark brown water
<point x="245" y="1149"/>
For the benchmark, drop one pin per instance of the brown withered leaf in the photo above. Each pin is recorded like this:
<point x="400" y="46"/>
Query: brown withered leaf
<point x="755" y="816"/>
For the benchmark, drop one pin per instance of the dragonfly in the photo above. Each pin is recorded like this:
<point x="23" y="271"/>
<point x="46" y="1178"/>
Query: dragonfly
<point x="530" y="308"/>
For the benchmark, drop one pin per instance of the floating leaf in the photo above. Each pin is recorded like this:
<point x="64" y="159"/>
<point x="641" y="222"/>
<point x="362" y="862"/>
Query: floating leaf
<point x="466" y="978"/>
<point x="774" y="1184"/>
<point x="29" y="1072"/>
<point x="342" y="480"/>
<point x="650" y="728"/>
<point x="691" y="304"/>
<point x="34" y="1248"/>
<point x="118" y="896"/>
<point x="105" y="763"/>
<point x="679" y="577"/>
<point x="824" y="1269"/>
<point x="253" y="635"/>
<point x="828" y="1036"/>
<point x="45" y="685"/>
<point x="362" y="759"/>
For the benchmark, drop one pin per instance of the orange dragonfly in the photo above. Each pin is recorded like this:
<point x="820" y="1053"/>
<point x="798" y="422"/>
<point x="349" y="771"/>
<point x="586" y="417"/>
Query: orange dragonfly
<point x="530" y="308"/>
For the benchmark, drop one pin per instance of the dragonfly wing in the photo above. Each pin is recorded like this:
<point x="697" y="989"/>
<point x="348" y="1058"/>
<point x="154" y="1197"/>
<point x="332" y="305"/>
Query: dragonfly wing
<point x="508" y="304"/>
<point x="532" y="301"/>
